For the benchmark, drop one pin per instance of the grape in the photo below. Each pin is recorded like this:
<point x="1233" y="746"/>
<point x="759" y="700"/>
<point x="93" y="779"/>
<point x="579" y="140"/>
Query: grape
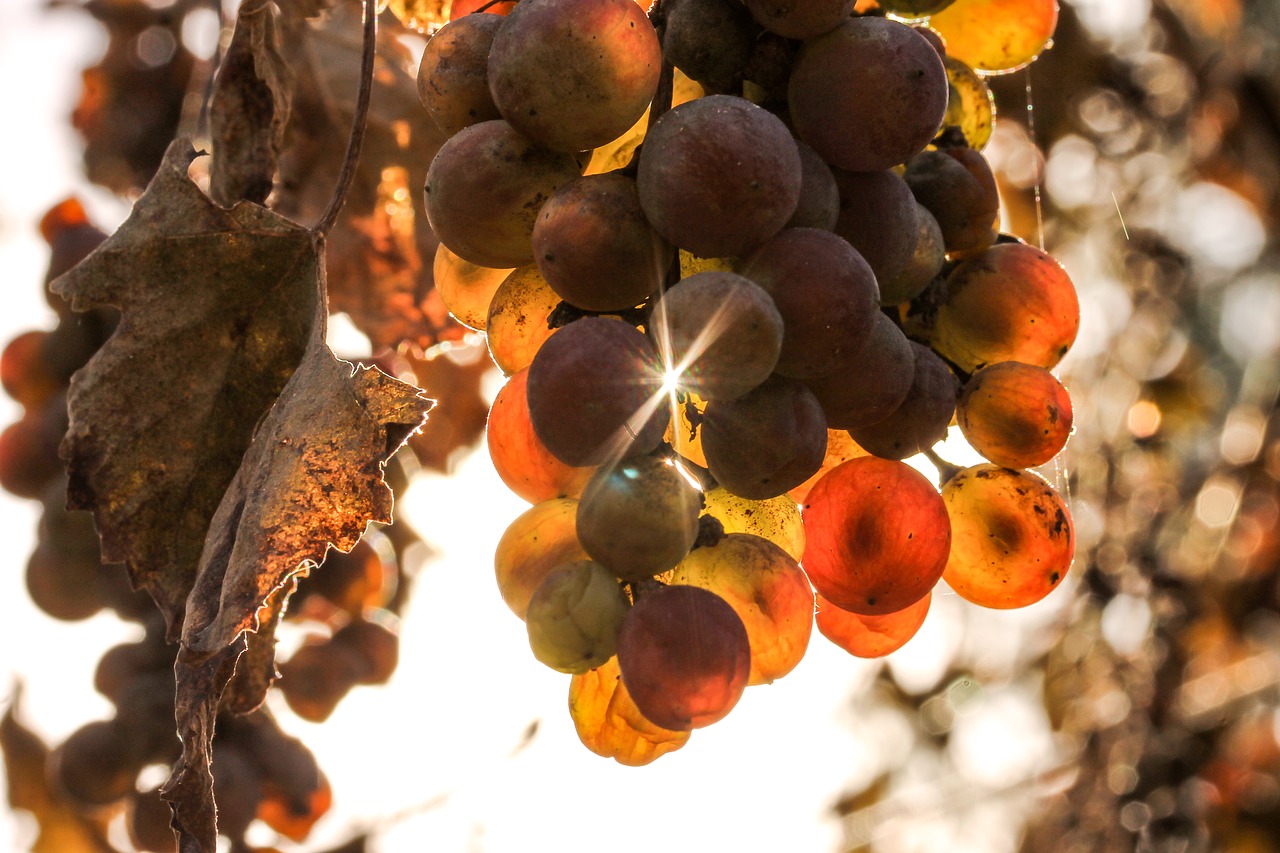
<point x="914" y="8"/>
<point x="594" y="246"/>
<point x="684" y="657"/>
<point x="840" y="449"/>
<point x="1012" y="540"/>
<point x="29" y="449"/>
<point x="709" y="40"/>
<point x="767" y="441"/>
<point x="543" y="537"/>
<point x="317" y="677"/>
<point x="868" y="94"/>
<point x="766" y="588"/>
<point x="721" y="332"/>
<point x="996" y="35"/>
<point x="237" y="789"/>
<point x="1012" y="302"/>
<point x="453" y="78"/>
<point x="574" y="617"/>
<point x="24" y="374"/>
<point x="639" y="517"/>
<point x="927" y="261"/>
<point x="878" y="218"/>
<point x="871" y="381"/>
<point x="768" y="70"/>
<point x="375" y="645"/>
<point x="719" y="175"/>
<point x="350" y="581"/>
<point x="149" y="817"/>
<point x="957" y="187"/>
<point x="98" y="764"/>
<point x="71" y="237"/>
<point x="801" y="20"/>
<point x="574" y="74"/>
<point x="517" y="322"/>
<point x="871" y="636"/>
<point x="484" y="189"/>
<point x="877" y="536"/>
<point x="970" y="105"/>
<point x="819" y="205"/>
<point x="825" y="292"/>
<point x="609" y="724"/>
<point x="466" y="289"/>
<point x="921" y="420"/>
<point x="618" y="153"/>
<point x="520" y="458"/>
<point x="776" y="519"/>
<point x="1016" y="415"/>
<point x="594" y="392"/>
<point x="292" y="815"/>
<point x="684" y="433"/>
<point x="462" y="8"/>
<point x="64" y="587"/>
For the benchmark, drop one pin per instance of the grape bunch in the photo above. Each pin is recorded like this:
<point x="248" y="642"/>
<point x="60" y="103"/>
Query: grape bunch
<point x="737" y="262"/>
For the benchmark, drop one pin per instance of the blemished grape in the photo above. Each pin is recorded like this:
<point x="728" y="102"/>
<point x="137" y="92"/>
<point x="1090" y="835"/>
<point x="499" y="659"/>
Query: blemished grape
<point x="996" y="36"/>
<point x="878" y="218"/>
<point x="800" y="20"/>
<point x="594" y="392"/>
<point x="453" y="80"/>
<point x="543" y="537"/>
<point x="520" y="458"/>
<point x="1012" y="537"/>
<point x="595" y="247"/>
<point x="776" y="519"/>
<point x="877" y="536"/>
<point x="719" y="175"/>
<point x="872" y="381"/>
<point x="609" y="724"/>
<point x="871" y="636"/>
<point x="927" y="260"/>
<point x="1011" y="302"/>
<point x="574" y="617"/>
<point x="684" y="657"/>
<point x="921" y="420"/>
<point x="574" y="74"/>
<point x="1016" y="415"/>
<point x="466" y="289"/>
<point x="970" y="106"/>
<point x="485" y="187"/>
<point x="868" y="94"/>
<point x="766" y="588"/>
<point x="639" y="517"/>
<point x="825" y="293"/>
<point x="819" y="205"/>
<point x="720" y="331"/>
<point x="765" y="442"/>
<point x="958" y="188"/>
<point x="840" y="449"/>
<point x="709" y="40"/>
<point x="517" y="323"/>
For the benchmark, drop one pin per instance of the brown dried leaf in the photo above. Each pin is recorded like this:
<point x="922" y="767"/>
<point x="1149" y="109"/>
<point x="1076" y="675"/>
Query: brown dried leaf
<point x="250" y="108"/>
<point x="256" y="669"/>
<point x="216" y="309"/>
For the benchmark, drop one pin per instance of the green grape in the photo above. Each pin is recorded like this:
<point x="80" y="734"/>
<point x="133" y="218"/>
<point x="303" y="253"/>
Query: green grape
<point x="574" y="617"/>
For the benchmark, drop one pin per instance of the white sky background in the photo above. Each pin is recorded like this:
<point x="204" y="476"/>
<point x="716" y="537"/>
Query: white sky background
<point x="467" y="686"/>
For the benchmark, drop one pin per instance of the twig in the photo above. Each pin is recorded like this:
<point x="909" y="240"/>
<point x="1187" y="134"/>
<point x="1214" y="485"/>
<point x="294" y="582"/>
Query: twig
<point x="352" y="158"/>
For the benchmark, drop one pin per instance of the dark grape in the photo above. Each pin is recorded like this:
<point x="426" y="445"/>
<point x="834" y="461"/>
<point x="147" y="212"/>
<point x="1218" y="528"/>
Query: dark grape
<point x="800" y="20"/>
<point x="921" y="420"/>
<point x="520" y="458"/>
<point x="709" y="40"/>
<point x="376" y="645"/>
<point x="98" y="764"/>
<point x="819" y="205"/>
<point x="453" y="80"/>
<point x="24" y="373"/>
<point x="927" y="260"/>
<point x="958" y="188"/>
<point x="878" y="218"/>
<point x="869" y="382"/>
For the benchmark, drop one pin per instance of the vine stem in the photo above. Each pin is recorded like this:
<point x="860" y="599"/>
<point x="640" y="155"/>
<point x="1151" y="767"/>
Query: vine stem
<point x="351" y="159"/>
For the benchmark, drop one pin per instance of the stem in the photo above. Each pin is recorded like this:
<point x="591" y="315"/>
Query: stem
<point x="352" y="158"/>
<point x="946" y="470"/>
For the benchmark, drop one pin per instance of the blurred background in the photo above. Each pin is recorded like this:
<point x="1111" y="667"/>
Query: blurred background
<point x="1137" y="708"/>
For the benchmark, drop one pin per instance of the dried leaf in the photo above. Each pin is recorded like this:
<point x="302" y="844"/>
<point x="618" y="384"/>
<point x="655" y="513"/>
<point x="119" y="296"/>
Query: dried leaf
<point x="256" y="668"/>
<point x="250" y="108"/>
<point x="216" y="309"/>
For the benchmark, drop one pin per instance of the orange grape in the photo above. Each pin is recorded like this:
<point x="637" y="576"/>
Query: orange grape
<point x="466" y="288"/>
<point x="1012" y="539"/>
<point x="609" y="724"/>
<point x="840" y="449"/>
<point x="871" y="636"/>
<point x="1016" y="415"/>
<point x="996" y="36"/>
<point x="517" y="321"/>
<point x="519" y="456"/>
<point x="776" y="519"/>
<point x="544" y="537"/>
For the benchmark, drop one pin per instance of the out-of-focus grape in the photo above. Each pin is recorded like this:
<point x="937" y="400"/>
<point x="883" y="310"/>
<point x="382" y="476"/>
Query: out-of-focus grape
<point x="997" y="36"/>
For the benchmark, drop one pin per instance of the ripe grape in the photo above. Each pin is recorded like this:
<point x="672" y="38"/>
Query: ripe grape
<point x="819" y="205"/>
<point x="970" y="105"/>
<point x="609" y="724"/>
<point x="517" y="323"/>
<point x="542" y="538"/>
<point x="64" y="587"/>
<point x="374" y="643"/>
<point x="868" y="94"/>
<point x="574" y="617"/>
<point x="869" y="382"/>
<point x="98" y="764"/>
<point x="800" y="20"/>
<point x="639" y="517"/>
<point x="709" y="40"/>
<point x="776" y="519"/>
<point x="720" y="331"/>
<point x="921" y="420"/>
<point x="1016" y="415"/>
<point x="684" y="657"/>
<point x="719" y="175"/>
<point x="996" y="35"/>
<point x="594" y="392"/>
<point x="24" y="373"/>
<point x="574" y="74"/>
<point x="485" y="187"/>
<point x="29" y="449"/>
<point x="520" y="458"/>
<point x="1012" y="539"/>
<point x="840" y="449"/>
<point x="466" y="289"/>
<point x="1012" y="302"/>
<point x="453" y="80"/>
<point x="927" y="260"/>
<point x="878" y="536"/>
<point x="878" y="218"/>
<point x="767" y="441"/>
<point x="871" y="636"/>
<point x="594" y="246"/>
<point x="958" y="188"/>
<point x="317" y="677"/>
<point x="766" y="588"/>
<point x="826" y="295"/>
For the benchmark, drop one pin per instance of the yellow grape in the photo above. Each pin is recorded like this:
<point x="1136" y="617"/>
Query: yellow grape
<point x="609" y="724"/>
<point x="618" y="153"/>
<point x="996" y="36"/>
<point x="466" y="288"/>
<point x="776" y="519"/>
<point x="517" y="322"/>
<point x="971" y="107"/>
<point x="1011" y="536"/>
<point x="871" y="636"/>
<point x="544" y="537"/>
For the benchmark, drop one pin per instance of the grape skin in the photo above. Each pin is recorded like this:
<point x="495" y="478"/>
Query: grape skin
<point x="871" y="636"/>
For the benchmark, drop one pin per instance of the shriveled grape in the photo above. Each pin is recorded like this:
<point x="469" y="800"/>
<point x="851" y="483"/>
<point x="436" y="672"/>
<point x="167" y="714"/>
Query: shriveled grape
<point x="609" y="724"/>
<point x="574" y="617"/>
